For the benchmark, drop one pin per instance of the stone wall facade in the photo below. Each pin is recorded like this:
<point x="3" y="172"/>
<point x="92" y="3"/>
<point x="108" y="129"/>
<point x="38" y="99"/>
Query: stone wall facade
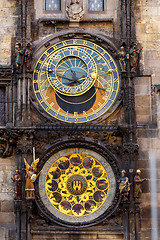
<point x="8" y="22"/>
<point x="146" y="84"/>
<point x="147" y="15"/>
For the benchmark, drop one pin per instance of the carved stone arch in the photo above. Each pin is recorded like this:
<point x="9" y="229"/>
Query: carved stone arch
<point x="97" y="37"/>
<point x="97" y="148"/>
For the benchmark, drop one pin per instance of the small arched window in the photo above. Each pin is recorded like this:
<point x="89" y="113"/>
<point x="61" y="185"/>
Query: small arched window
<point x="95" y="5"/>
<point x="52" y="5"/>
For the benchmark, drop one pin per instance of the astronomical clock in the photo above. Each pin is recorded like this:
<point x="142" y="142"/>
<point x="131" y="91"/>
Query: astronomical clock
<point x="75" y="82"/>
<point x="68" y="101"/>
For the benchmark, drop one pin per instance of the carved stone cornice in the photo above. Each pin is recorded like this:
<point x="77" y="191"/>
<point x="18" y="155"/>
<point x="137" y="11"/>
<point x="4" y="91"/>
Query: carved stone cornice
<point x="8" y="140"/>
<point x="73" y="127"/>
<point x="25" y="144"/>
<point x="6" y="73"/>
<point x="111" y="140"/>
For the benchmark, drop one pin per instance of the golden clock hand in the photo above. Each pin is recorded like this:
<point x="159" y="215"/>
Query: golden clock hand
<point x="108" y="72"/>
<point x="81" y="79"/>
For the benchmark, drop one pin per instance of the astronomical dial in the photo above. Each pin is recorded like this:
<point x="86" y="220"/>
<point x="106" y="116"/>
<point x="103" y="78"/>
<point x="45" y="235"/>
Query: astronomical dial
<point x="85" y="187"/>
<point x="73" y="74"/>
<point x="76" y="81"/>
<point x="77" y="185"/>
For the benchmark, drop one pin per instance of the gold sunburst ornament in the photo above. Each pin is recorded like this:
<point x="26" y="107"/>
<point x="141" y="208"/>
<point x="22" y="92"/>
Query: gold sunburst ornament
<point x="77" y="184"/>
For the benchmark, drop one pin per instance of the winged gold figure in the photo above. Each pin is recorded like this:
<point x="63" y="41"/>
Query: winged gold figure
<point x="30" y="178"/>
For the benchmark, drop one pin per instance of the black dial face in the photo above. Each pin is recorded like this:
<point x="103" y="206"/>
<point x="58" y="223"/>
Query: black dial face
<point x="76" y="81"/>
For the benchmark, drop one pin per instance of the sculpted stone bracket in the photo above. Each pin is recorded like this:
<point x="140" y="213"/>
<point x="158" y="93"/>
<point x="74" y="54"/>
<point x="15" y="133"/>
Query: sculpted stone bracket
<point x="130" y="148"/>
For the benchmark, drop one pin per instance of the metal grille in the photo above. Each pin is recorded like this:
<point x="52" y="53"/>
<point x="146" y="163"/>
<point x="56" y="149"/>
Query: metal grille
<point x="2" y="106"/>
<point x="95" y="5"/>
<point x="53" y="5"/>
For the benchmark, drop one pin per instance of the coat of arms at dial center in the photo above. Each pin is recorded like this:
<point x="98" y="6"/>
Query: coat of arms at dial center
<point x="77" y="184"/>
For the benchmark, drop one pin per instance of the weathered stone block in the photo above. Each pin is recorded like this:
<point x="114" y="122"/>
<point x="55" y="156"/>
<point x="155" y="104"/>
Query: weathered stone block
<point x="7" y="218"/>
<point x="143" y="119"/>
<point x="142" y="100"/>
<point x="153" y="28"/>
<point x="143" y="111"/>
<point x="3" y="233"/>
<point x="7" y="206"/>
<point x="146" y="223"/>
<point x="144" y="144"/>
<point x="144" y="133"/>
<point x="143" y="154"/>
<point x="142" y="81"/>
<point x="142" y="90"/>
<point x="143" y="164"/>
<point x="156" y="80"/>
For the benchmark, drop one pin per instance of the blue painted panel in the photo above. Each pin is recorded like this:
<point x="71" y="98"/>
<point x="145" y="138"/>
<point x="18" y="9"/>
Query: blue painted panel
<point x="69" y="42"/>
<point x="112" y="65"/>
<point x="115" y="86"/>
<point x="108" y="104"/>
<point x="38" y="96"/>
<point x="53" y="5"/>
<point x="92" y="117"/>
<point x="59" y="45"/>
<point x="36" y="76"/>
<point x="71" y="120"/>
<point x="44" y="105"/>
<point x="89" y="44"/>
<point x="61" y="117"/>
<point x="95" y="5"/>
<point x="107" y="56"/>
<point x="38" y="66"/>
<point x="113" y="95"/>
<point x="50" y="50"/>
<point x="100" y="50"/>
<point x="80" y="42"/>
<point x="36" y="86"/>
<point x="115" y="75"/>
<point x="101" y="111"/>
<point x="43" y="57"/>
<point x="52" y="112"/>
<point x="82" y="119"/>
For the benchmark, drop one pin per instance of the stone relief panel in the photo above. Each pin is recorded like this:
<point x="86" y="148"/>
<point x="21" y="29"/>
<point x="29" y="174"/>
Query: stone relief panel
<point x="74" y="10"/>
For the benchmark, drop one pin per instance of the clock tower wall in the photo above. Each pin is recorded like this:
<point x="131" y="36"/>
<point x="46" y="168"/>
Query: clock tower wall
<point x="107" y="116"/>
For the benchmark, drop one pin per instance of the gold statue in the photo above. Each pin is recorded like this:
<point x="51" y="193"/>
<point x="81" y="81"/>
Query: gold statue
<point x="30" y="178"/>
<point x="137" y="184"/>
